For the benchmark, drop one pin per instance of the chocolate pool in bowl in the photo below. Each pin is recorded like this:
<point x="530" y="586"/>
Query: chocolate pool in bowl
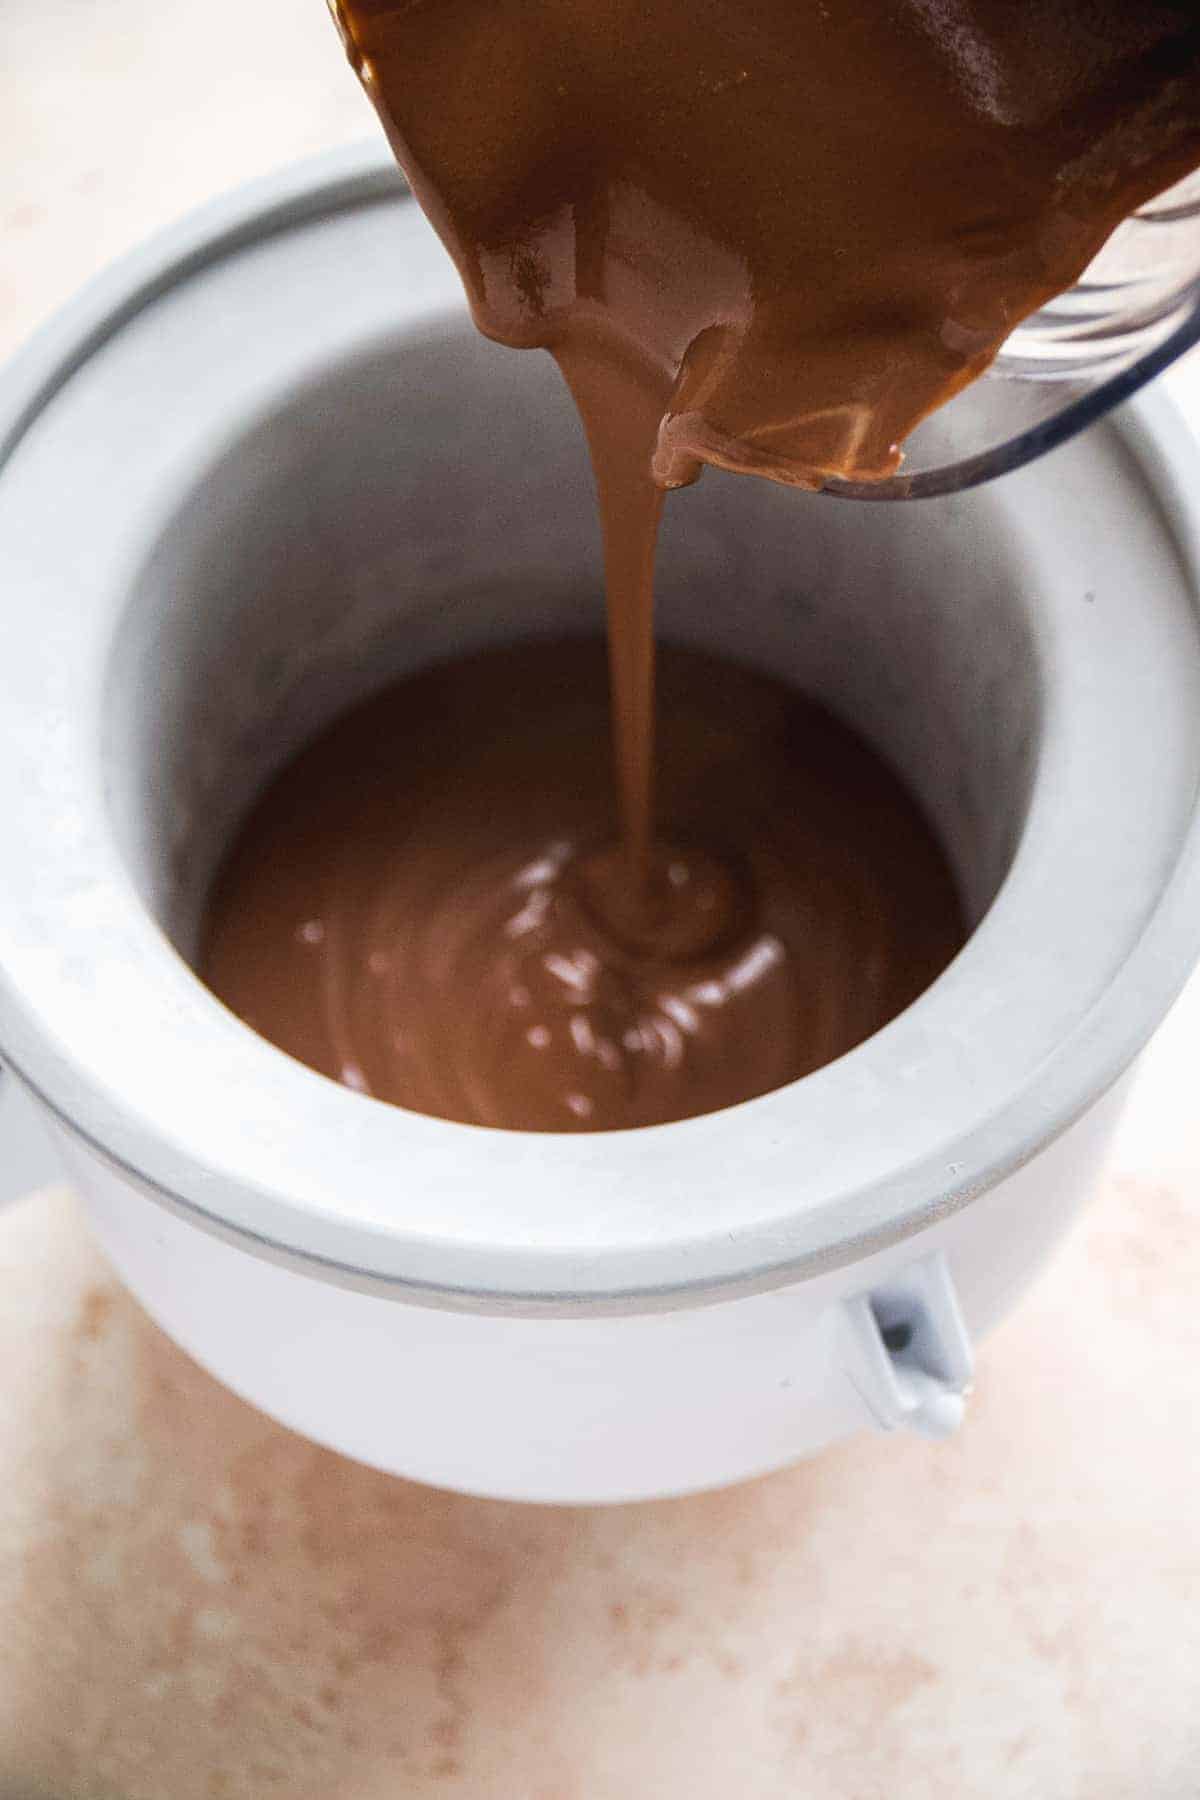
<point x="271" y="523"/>
<point x="432" y="903"/>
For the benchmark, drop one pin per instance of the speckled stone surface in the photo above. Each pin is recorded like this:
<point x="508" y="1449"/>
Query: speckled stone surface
<point x="194" y="1603"/>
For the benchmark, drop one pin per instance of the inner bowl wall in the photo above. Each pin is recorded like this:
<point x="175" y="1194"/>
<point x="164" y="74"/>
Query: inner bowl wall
<point x="431" y="496"/>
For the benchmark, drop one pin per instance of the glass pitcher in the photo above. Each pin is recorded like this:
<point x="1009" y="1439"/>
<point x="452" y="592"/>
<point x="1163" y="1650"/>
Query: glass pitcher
<point x="1135" y="310"/>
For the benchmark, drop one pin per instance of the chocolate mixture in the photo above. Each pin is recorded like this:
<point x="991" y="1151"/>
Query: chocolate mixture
<point x="766" y="234"/>
<point x="792" y="227"/>
<point x="428" y="904"/>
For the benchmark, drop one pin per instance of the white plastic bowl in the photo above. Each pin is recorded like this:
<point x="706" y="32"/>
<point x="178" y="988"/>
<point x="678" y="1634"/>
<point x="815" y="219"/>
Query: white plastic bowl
<point x="265" y="466"/>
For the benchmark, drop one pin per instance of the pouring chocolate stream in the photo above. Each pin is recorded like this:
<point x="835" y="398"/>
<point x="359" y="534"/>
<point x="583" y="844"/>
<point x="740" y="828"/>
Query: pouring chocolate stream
<point x="769" y="235"/>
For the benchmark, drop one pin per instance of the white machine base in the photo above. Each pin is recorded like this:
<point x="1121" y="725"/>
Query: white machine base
<point x="608" y="1408"/>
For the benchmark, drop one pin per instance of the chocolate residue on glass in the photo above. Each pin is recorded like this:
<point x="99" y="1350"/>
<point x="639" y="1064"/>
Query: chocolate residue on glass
<point x="794" y="226"/>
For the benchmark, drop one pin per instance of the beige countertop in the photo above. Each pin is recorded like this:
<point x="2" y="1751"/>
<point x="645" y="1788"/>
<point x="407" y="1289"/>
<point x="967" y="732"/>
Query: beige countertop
<point x="197" y="1603"/>
<point x="194" y="1603"/>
